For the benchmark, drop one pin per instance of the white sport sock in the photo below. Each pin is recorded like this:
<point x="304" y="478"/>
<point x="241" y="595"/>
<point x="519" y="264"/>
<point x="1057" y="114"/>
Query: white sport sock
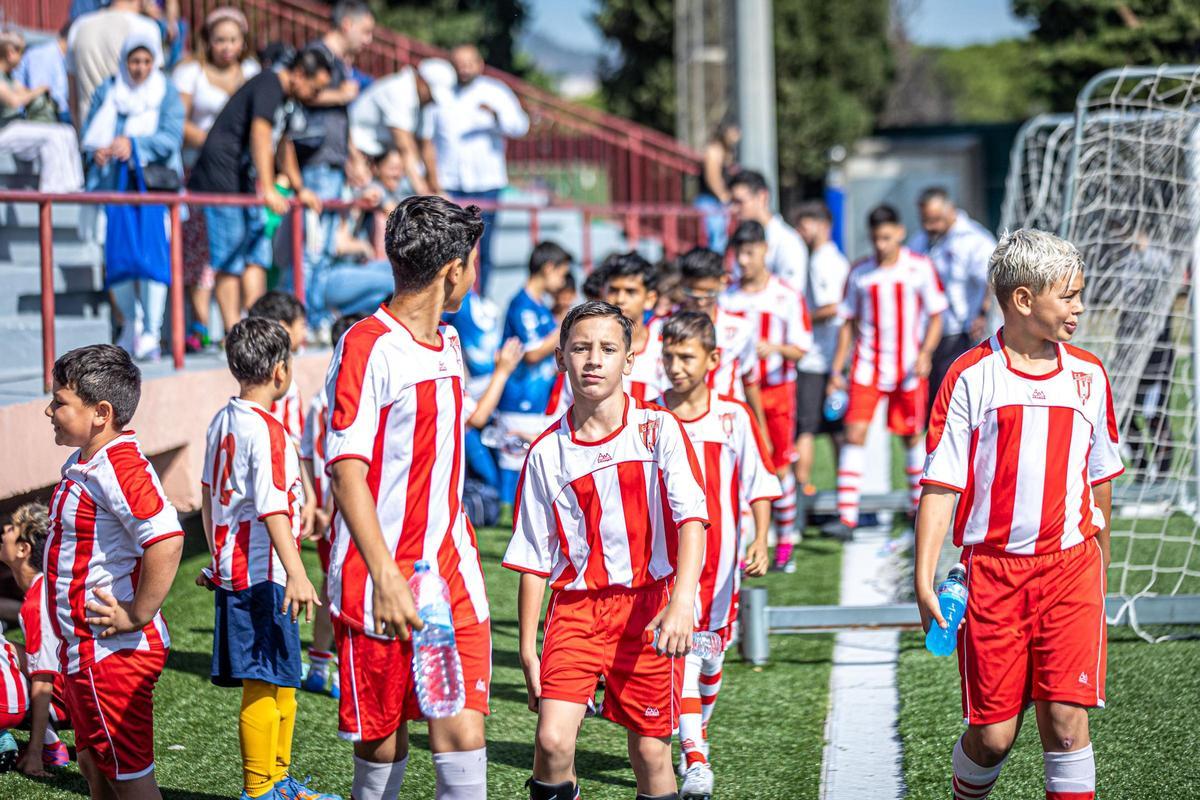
<point x="373" y="781"/>
<point x="971" y="781"/>
<point x="913" y="469"/>
<point x="785" y="507"/>
<point x="691" y="723"/>
<point x="849" y="482"/>
<point x="461" y="776"/>
<point x="1070" y="774"/>
<point x="51" y="735"/>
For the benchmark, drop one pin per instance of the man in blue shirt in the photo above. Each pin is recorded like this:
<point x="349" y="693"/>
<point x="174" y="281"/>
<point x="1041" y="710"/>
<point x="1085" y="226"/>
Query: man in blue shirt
<point x="45" y="64"/>
<point x="478" y="326"/>
<point x="522" y="409"/>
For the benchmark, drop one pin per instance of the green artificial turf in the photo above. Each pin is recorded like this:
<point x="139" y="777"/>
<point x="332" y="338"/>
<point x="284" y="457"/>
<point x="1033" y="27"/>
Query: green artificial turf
<point x="766" y="736"/>
<point x="1145" y="740"/>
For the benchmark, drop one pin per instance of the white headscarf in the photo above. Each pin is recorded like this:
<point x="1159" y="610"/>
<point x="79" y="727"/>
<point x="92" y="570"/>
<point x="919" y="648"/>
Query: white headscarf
<point x="139" y="104"/>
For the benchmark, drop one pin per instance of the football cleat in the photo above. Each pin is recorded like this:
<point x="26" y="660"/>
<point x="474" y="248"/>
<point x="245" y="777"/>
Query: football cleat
<point x="314" y="681"/>
<point x="55" y="754"/>
<point x="697" y="782"/>
<point x="291" y="789"/>
<point x="8" y="751"/>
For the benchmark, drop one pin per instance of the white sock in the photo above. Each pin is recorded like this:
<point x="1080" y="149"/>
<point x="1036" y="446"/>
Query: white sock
<point x="913" y="469"/>
<point x="691" y="724"/>
<point x="318" y="662"/>
<point x="461" y="776"/>
<point x="51" y="736"/>
<point x="849" y="482"/>
<point x="971" y="781"/>
<point x="785" y="507"/>
<point x="1072" y="774"/>
<point x="710" y="687"/>
<point x="373" y="781"/>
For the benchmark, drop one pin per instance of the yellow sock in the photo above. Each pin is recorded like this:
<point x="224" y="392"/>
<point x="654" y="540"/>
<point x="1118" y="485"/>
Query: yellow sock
<point x="285" y="700"/>
<point x="258" y="730"/>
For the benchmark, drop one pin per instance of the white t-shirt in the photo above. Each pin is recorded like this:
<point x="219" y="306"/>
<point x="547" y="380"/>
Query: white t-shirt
<point x="827" y="272"/>
<point x="94" y="49"/>
<point x="207" y="99"/>
<point x="787" y="256"/>
<point x="390" y="102"/>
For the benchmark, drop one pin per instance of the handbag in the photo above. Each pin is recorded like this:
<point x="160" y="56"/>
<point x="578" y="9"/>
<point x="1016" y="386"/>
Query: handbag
<point x="161" y="178"/>
<point x="136" y="245"/>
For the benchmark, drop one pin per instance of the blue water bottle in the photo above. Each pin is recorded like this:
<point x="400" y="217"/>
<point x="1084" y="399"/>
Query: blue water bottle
<point x="952" y="599"/>
<point x="835" y="405"/>
<point x="437" y="668"/>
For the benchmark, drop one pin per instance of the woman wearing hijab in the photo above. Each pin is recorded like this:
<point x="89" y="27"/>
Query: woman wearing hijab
<point x="137" y="107"/>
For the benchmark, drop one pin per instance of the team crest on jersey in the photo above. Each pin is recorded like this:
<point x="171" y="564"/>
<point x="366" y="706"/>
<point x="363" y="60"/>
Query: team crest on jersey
<point x="1083" y="385"/>
<point x="649" y="432"/>
<point x="727" y="423"/>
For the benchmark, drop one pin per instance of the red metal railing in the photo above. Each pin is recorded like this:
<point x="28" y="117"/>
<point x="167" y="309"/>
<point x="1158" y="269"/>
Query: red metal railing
<point x="676" y="226"/>
<point x="641" y="165"/>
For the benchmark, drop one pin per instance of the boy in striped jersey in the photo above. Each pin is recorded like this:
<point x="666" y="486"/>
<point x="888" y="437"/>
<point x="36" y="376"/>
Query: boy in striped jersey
<point x="112" y="553"/>
<point x="252" y="494"/>
<point x="1024" y="438"/>
<point x="735" y="468"/>
<point x="893" y="322"/>
<point x="610" y="510"/>
<point x="629" y="285"/>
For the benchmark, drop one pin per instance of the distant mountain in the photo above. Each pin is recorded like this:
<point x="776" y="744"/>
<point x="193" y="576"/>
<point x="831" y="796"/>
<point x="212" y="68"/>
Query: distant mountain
<point x="574" y="70"/>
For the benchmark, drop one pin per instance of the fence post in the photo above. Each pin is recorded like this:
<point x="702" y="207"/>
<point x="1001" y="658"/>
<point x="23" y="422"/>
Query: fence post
<point x="756" y="648"/>
<point x="633" y="229"/>
<point x="177" y="326"/>
<point x="534" y="230"/>
<point x="46" y="241"/>
<point x="298" y="251"/>
<point x="670" y="234"/>
<point x="587" y="241"/>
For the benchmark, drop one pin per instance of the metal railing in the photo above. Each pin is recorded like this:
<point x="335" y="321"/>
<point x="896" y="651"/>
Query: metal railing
<point x="641" y="165"/>
<point x="676" y="227"/>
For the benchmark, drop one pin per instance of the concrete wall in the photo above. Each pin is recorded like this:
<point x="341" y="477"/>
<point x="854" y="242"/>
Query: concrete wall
<point x="170" y="422"/>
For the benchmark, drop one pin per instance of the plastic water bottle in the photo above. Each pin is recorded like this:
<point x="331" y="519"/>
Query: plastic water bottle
<point x="705" y="644"/>
<point x="952" y="599"/>
<point x="835" y="405"/>
<point x="495" y="439"/>
<point x="437" y="669"/>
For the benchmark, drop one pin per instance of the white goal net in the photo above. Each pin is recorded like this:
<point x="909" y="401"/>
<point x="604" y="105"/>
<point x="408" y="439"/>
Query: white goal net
<point x="1132" y="207"/>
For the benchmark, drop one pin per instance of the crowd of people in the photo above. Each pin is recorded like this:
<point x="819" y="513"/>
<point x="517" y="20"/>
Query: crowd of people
<point x="116" y="101"/>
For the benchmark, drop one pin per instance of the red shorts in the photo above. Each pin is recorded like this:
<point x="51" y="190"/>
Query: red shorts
<point x="1034" y="630"/>
<point x="375" y="677"/>
<point x="594" y="634"/>
<point x="8" y="720"/>
<point x="779" y="408"/>
<point x="906" y="407"/>
<point x="111" y="705"/>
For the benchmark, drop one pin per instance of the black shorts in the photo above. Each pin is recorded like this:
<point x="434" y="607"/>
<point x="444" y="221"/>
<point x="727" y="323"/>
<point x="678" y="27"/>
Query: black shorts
<point x="810" y="404"/>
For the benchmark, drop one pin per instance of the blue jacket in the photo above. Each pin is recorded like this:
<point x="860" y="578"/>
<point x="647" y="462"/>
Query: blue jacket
<point x="164" y="146"/>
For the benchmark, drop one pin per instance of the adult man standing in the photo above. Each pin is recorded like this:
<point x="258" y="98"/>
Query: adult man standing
<point x="787" y="257"/>
<point x="470" y="124"/>
<point x="959" y="248"/>
<point x="387" y="116"/>
<point x="94" y="49"/>
<point x="324" y="148"/>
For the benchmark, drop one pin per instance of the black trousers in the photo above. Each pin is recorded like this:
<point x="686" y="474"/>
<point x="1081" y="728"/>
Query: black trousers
<point x="948" y="349"/>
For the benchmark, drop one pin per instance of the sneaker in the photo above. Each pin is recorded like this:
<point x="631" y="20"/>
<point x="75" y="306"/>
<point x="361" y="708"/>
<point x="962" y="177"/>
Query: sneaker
<point x="55" y="754"/>
<point x="789" y="568"/>
<point x="682" y="768"/>
<point x="840" y="531"/>
<point x="314" y="681"/>
<point x="8" y="751"/>
<point x="147" y="348"/>
<point x="697" y="782"/>
<point x="335" y="687"/>
<point x="271" y="795"/>
<point x="291" y="789"/>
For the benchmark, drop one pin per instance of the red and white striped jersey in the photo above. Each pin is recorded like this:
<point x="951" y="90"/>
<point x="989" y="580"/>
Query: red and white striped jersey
<point x="892" y="307"/>
<point x="397" y="405"/>
<point x="1025" y="451"/>
<point x="736" y="471"/>
<point x="647" y="380"/>
<point x="778" y="315"/>
<point x="312" y="445"/>
<point x="736" y="340"/>
<point x="103" y="514"/>
<point x="251" y="472"/>
<point x="14" y="690"/>
<point x="290" y="411"/>
<point x="595" y="514"/>
<point x="561" y="397"/>
<point x="41" y="643"/>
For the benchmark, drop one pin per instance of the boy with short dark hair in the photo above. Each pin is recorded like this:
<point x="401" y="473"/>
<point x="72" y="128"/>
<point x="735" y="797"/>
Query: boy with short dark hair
<point x="892" y="321"/>
<point x="629" y="285"/>
<point x="1024" y="439"/>
<point x="252" y="492"/>
<point x="737" y="474"/>
<point x="109" y="498"/>
<point x="22" y="549"/>
<point x="289" y="312"/>
<point x="778" y="313"/>
<point x="618" y="481"/>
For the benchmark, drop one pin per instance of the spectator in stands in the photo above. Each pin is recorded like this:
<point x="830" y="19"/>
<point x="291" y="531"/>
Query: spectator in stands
<point x="720" y="165"/>
<point x="172" y="28"/>
<point x="387" y="116"/>
<point x="324" y="149"/>
<point x="45" y="64"/>
<point x="960" y="249"/>
<point x="51" y="143"/>
<point x="81" y="7"/>
<point x="205" y="84"/>
<point x="140" y="110"/>
<point x="470" y="123"/>
<point x="787" y="257"/>
<point x="94" y="49"/>
<point x="239" y="157"/>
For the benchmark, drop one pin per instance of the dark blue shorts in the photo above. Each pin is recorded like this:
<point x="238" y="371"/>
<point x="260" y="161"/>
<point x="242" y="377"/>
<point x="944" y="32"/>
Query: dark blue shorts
<point x="253" y="639"/>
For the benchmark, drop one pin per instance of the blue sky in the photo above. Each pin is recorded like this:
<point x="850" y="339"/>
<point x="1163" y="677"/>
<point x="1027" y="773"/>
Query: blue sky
<point x="933" y="22"/>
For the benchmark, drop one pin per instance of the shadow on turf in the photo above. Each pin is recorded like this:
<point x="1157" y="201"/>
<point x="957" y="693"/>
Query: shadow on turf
<point x="72" y="782"/>
<point x="592" y="765"/>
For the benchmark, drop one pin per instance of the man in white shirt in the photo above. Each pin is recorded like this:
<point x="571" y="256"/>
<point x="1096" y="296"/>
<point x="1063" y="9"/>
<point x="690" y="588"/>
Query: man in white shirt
<point x="388" y="116"/>
<point x="470" y="123"/>
<point x="787" y="257"/>
<point x="94" y="49"/>
<point x="827" y="271"/>
<point x="959" y="248"/>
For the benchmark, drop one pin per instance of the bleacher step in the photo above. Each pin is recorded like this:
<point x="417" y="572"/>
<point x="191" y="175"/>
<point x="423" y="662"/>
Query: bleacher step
<point x="22" y="337"/>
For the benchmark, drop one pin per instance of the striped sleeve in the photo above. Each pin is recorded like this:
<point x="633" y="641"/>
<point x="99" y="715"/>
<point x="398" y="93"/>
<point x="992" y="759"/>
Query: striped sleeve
<point x="1104" y="458"/>
<point x="535" y="527"/>
<point x="681" y="472"/>
<point x="948" y="442"/>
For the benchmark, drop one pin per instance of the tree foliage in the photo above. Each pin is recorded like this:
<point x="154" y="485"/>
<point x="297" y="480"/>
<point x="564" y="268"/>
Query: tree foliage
<point x="1075" y="39"/>
<point x="492" y="24"/>
<point x="639" y="82"/>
